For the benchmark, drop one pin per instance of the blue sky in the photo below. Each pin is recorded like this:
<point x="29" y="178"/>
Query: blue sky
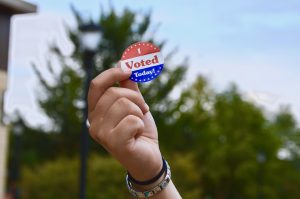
<point x="255" y="44"/>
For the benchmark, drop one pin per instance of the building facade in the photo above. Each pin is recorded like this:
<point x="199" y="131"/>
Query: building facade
<point x="8" y="8"/>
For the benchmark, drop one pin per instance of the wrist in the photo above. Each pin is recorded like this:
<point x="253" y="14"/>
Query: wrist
<point x="146" y="170"/>
<point x="149" y="190"/>
<point x="152" y="180"/>
<point x="148" y="186"/>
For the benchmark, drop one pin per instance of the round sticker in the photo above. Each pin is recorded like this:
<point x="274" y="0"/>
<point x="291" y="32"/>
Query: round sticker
<point x="144" y="60"/>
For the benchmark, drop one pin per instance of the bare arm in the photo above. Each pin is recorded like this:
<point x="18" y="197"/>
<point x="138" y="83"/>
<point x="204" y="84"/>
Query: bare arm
<point x="122" y="123"/>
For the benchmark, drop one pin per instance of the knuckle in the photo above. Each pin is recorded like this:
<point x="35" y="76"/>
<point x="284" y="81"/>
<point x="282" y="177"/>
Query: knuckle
<point x="128" y="107"/>
<point x="123" y="102"/>
<point x="98" y="134"/>
<point x="131" y="109"/>
<point x="133" y="120"/>
<point x="93" y="84"/>
<point x="137" y="96"/>
<point x="101" y="138"/>
<point x="111" y="91"/>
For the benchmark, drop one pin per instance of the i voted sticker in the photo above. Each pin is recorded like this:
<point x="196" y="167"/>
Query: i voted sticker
<point x="144" y="60"/>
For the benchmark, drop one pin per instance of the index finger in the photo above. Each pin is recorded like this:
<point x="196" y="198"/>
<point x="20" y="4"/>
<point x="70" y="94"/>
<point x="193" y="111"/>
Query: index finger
<point x="102" y="82"/>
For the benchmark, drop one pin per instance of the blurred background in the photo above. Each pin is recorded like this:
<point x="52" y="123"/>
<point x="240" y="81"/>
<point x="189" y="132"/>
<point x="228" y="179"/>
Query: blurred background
<point x="227" y="104"/>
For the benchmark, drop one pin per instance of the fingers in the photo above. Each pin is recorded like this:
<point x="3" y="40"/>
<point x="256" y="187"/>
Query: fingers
<point x="113" y="94"/>
<point x="119" y="110"/>
<point x="111" y="107"/>
<point x="102" y="82"/>
<point x="127" y="129"/>
<point x="122" y="111"/>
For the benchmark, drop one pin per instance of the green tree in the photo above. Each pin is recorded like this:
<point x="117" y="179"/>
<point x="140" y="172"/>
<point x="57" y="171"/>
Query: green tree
<point x="234" y="144"/>
<point x="62" y="101"/>
<point x="105" y="179"/>
<point x="220" y="146"/>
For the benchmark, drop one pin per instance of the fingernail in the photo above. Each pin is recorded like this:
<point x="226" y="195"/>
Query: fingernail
<point x="127" y="72"/>
<point x="118" y="64"/>
<point x="124" y="69"/>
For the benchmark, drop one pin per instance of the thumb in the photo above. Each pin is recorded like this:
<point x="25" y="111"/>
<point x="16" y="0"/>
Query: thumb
<point x="128" y="83"/>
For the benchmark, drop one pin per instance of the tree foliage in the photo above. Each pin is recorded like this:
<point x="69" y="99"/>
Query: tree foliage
<point x="105" y="179"/>
<point x="219" y="145"/>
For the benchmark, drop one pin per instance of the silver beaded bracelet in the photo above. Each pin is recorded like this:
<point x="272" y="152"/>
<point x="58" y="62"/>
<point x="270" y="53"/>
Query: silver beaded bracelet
<point x="147" y="194"/>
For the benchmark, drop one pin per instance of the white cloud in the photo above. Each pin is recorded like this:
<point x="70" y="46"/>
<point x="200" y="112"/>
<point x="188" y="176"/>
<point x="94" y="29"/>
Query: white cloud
<point x="252" y="43"/>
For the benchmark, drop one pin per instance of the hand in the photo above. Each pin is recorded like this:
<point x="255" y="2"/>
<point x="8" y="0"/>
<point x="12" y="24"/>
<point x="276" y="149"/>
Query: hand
<point x="121" y="122"/>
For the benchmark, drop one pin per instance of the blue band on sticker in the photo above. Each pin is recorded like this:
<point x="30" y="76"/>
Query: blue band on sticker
<point x="146" y="74"/>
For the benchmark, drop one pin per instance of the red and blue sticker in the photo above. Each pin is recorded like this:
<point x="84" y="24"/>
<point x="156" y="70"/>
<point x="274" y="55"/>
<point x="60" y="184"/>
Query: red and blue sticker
<point x="144" y="60"/>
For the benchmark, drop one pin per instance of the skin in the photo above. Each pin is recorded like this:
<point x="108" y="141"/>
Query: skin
<point x="121" y="122"/>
